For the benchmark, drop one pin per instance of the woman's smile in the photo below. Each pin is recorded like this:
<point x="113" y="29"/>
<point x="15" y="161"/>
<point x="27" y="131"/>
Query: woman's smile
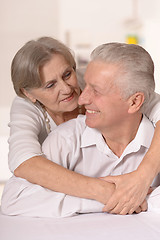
<point x="69" y="98"/>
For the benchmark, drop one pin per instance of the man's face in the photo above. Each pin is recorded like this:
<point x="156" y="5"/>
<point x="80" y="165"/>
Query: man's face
<point x="105" y="108"/>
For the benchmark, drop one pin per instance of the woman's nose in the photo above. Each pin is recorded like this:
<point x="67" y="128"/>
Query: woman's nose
<point x="65" y="88"/>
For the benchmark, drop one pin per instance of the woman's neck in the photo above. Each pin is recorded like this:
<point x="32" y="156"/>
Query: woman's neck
<point x="59" y="118"/>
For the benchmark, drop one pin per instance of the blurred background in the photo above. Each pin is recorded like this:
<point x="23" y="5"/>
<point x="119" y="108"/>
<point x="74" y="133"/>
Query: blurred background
<point x="80" y="24"/>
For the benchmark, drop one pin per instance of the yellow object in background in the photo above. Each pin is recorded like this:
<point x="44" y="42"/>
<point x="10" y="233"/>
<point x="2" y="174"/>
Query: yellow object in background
<point x="131" y="39"/>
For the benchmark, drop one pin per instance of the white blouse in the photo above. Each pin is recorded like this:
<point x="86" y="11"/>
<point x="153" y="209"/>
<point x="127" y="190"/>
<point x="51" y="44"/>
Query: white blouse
<point x="29" y="128"/>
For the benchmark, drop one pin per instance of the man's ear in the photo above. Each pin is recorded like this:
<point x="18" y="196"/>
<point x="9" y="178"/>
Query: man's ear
<point x="135" y="102"/>
<point x="28" y="95"/>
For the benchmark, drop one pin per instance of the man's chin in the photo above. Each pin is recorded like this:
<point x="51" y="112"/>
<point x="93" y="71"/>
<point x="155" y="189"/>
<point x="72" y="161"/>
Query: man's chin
<point x="90" y="123"/>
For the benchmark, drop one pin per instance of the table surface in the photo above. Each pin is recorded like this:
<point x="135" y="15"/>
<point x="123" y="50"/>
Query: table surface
<point x="98" y="226"/>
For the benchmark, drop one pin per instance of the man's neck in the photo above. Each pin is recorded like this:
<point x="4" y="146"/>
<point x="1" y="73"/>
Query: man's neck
<point x="119" y="137"/>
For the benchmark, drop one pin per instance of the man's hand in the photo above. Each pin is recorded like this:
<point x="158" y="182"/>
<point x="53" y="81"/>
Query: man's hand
<point x="129" y="195"/>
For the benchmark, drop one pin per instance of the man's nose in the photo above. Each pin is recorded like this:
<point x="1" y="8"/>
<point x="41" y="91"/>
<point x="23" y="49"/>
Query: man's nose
<point x="85" y="97"/>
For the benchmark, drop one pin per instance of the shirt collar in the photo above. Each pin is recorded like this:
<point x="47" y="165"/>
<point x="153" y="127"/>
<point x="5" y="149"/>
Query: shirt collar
<point x="89" y="137"/>
<point x="144" y="134"/>
<point x="143" y="137"/>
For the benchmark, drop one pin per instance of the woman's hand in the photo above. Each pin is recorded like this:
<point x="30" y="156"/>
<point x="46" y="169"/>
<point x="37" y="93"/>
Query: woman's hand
<point x="129" y="195"/>
<point x="143" y="207"/>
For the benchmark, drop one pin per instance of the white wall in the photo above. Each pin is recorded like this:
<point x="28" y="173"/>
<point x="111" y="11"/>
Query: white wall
<point x="101" y="19"/>
<point x="92" y="22"/>
<point x="152" y="36"/>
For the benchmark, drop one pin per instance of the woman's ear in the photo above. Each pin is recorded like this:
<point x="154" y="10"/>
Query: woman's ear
<point x="28" y="95"/>
<point x="135" y="102"/>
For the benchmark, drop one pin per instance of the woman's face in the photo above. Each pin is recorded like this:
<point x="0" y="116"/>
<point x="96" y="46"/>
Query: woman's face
<point x="59" y="91"/>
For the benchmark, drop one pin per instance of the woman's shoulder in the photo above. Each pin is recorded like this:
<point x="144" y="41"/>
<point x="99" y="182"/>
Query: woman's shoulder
<point x="24" y="105"/>
<point x="21" y="102"/>
<point x="24" y="109"/>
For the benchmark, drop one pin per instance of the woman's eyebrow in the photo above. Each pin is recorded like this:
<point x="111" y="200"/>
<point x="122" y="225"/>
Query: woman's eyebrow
<point x="48" y="82"/>
<point x="67" y="69"/>
<point x="54" y="79"/>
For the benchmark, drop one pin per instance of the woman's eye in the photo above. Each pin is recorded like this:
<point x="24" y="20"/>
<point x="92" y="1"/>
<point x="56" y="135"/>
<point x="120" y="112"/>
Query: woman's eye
<point x="67" y="75"/>
<point x="50" y="85"/>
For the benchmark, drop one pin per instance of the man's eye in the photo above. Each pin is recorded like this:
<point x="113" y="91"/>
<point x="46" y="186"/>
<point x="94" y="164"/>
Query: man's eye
<point x="95" y="91"/>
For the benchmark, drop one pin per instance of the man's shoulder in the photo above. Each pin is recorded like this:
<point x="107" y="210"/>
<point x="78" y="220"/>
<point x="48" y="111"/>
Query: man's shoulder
<point x="71" y="128"/>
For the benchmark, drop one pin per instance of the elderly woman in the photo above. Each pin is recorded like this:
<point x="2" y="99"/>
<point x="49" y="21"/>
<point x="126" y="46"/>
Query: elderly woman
<point x="44" y="78"/>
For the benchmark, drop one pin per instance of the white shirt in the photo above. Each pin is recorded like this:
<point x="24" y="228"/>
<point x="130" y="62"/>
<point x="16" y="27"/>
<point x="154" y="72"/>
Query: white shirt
<point x="81" y="149"/>
<point x="28" y="130"/>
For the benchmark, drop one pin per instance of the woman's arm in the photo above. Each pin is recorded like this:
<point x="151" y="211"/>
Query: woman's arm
<point x="27" y="161"/>
<point x="50" y="175"/>
<point x="27" y="132"/>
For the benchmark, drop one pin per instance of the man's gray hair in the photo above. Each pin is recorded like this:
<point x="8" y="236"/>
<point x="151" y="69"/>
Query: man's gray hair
<point x="136" y="68"/>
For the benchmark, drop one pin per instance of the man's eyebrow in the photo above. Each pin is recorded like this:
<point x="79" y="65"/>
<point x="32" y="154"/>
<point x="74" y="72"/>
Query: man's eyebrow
<point x="96" y="86"/>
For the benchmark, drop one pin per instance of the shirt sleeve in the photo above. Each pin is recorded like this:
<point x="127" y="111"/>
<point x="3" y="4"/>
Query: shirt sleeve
<point x="153" y="109"/>
<point x="21" y="197"/>
<point x="26" y="131"/>
<point x="153" y="200"/>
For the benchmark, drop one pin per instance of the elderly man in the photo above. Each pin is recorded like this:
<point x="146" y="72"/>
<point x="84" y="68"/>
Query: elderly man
<point x="115" y="135"/>
<point x="111" y="139"/>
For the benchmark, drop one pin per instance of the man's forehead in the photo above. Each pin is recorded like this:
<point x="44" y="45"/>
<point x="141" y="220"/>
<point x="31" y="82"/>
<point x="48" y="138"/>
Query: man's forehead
<point x="100" y="70"/>
<point x="102" y="65"/>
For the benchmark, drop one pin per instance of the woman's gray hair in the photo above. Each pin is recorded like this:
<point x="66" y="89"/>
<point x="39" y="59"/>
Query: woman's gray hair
<point x="136" y="68"/>
<point x="28" y="61"/>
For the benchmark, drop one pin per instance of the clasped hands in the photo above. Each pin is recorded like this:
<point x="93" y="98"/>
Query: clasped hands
<point x="129" y="194"/>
